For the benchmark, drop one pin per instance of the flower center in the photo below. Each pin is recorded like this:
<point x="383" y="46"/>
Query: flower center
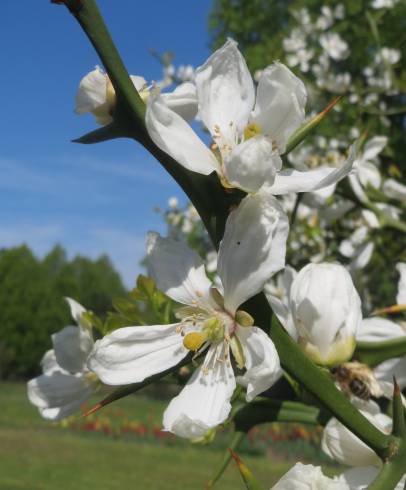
<point x="253" y="129"/>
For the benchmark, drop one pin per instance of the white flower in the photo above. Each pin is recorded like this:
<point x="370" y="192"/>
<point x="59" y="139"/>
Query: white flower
<point x="326" y="311"/>
<point x="96" y="95"/>
<point x="341" y="444"/>
<point x="334" y="46"/>
<point x="249" y="129"/>
<point x="394" y="190"/>
<point x="380" y="4"/>
<point x="66" y="383"/>
<point x="308" y="477"/>
<point x="173" y="202"/>
<point x="366" y="172"/>
<point x="252" y="250"/>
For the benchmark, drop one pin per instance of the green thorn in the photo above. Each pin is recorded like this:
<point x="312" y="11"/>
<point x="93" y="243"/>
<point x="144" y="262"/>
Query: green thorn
<point x="399" y="425"/>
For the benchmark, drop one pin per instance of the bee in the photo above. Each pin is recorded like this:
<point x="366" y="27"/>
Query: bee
<point x="355" y="378"/>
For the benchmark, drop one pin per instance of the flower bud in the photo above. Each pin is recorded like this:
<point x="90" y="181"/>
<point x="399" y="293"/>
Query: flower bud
<point x="326" y="311"/>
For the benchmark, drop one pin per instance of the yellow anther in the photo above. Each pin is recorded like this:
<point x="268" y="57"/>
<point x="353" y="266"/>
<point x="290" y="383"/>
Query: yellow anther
<point x="244" y="319"/>
<point x="194" y="340"/>
<point x="252" y="130"/>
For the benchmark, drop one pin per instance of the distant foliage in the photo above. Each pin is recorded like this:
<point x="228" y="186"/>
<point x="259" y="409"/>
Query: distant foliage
<point x="32" y="305"/>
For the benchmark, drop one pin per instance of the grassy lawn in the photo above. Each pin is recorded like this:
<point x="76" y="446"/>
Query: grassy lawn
<point x="35" y="455"/>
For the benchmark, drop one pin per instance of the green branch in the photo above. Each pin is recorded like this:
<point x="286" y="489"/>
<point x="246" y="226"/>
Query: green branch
<point x="213" y="204"/>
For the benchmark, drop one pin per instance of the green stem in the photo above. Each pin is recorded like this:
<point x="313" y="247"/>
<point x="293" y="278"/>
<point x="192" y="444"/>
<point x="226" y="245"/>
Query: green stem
<point x="213" y="203"/>
<point x="269" y="410"/>
<point x="92" y="23"/>
<point x="320" y="385"/>
<point x="392" y="471"/>
<point x="236" y="439"/>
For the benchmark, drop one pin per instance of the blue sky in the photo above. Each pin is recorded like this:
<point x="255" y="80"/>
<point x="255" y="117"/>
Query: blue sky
<point x="91" y="199"/>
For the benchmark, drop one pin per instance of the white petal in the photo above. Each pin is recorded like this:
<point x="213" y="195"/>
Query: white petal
<point x="253" y="247"/>
<point x="394" y="189"/>
<point x="261" y="361"/>
<point x="369" y="174"/>
<point x="178" y="271"/>
<point x="277" y="293"/>
<point x="173" y="135"/>
<point x="72" y="346"/>
<point x="378" y="329"/>
<point x="308" y="477"/>
<point x="295" y="181"/>
<point x="139" y="82"/>
<point x="252" y="163"/>
<point x="357" y="187"/>
<point x="385" y="372"/>
<point x="204" y="402"/>
<point x="76" y="310"/>
<point x="346" y="448"/>
<point x="363" y="256"/>
<point x="49" y="364"/>
<point x="225" y="91"/>
<point x="58" y="395"/>
<point x="131" y="354"/>
<point x="280" y="103"/>
<point x="401" y="296"/>
<point x="346" y="248"/>
<point x="374" y="146"/>
<point x="92" y="91"/>
<point x="183" y="100"/>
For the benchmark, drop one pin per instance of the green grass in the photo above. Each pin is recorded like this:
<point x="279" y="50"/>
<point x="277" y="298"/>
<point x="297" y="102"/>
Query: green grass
<point x="35" y="455"/>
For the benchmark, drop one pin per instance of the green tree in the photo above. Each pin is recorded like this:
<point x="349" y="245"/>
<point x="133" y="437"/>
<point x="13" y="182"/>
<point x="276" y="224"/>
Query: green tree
<point x="32" y="305"/>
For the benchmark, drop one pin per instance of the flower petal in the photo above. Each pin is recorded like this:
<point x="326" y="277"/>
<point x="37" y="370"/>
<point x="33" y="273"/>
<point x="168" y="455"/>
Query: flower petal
<point x="369" y="174"/>
<point x="77" y="310"/>
<point x="401" y="296"/>
<point x="49" y="364"/>
<point x="373" y="147"/>
<point x="376" y="329"/>
<point x="280" y="103"/>
<point x="342" y="445"/>
<point x="183" y="100"/>
<point x="225" y="91"/>
<point x="252" y="163"/>
<point x="58" y="395"/>
<point x="72" y="346"/>
<point x="131" y="354"/>
<point x="173" y="135"/>
<point x="204" y="402"/>
<point x="261" y="361"/>
<point x="295" y="181"/>
<point x="394" y="189"/>
<point x="253" y="247"/>
<point x="92" y="91"/>
<point x="178" y="271"/>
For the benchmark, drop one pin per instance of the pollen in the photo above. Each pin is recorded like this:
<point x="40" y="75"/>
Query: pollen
<point x="194" y="340"/>
<point x="252" y="130"/>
